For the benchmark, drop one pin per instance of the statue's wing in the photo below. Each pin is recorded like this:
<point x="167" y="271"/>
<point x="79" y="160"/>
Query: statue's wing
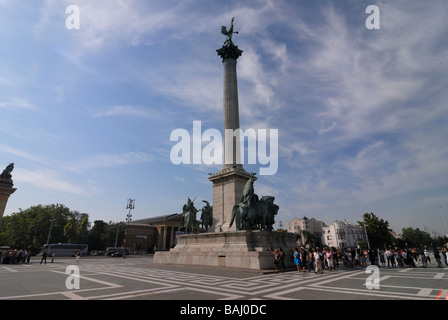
<point x="224" y="30"/>
<point x="231" y="25"/>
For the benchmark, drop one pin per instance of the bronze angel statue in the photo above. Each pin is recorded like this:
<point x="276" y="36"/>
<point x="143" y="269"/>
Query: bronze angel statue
<point x="228" y="33"/>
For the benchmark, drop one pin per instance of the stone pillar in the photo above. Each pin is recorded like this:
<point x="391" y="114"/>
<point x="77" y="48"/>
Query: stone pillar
<point x="165" y="231"/>
<point x="228" y="184"/>
<point x="229" y="54"/>
<point x="6" y="188"/>
<point x="231" y="151"/>
<point x="159" y="237"/>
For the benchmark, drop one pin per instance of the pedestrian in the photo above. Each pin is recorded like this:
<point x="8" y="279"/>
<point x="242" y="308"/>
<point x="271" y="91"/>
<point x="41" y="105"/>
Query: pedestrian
<point x="281" y="260"/>
<point x="297" y="260"/>
<point x="318" y="261"/>
<point x="423" y="258"/>
<point x="438" y="258"/>
<point x="445" y="255"/>
<point x="382" y="260"/>
<point x="357" y="258"/>
<point x="372" y="257"/>
<point x="28" y="257"/>
<point x="311" y="265"/>
<point x="427" y="257"/>
<point x="389" y="257"/>
<point x="52" y="256"/>
<point x="276" y="260"/>
<point x="337" y="256"/>
<point x="330" y="263"/>
<point x="44" y="257"/>
<point x="78" y="255"/>
<point x="410" y="259"/>
<point x="348" y="255"/>
<point x="303" y="259"/>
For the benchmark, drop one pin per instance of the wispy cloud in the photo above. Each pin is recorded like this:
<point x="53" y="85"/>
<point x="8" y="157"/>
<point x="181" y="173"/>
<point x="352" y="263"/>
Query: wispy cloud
<point x="17" y="104"/>
<point x="49" y="180"/>
<point x="109" y="161"/>
<point x="132" y="111"/>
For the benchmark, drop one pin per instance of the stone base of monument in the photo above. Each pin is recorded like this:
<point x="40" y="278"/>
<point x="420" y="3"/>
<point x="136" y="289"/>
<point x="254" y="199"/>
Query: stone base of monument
<point x="234" y="249"/>
<point x="5" y="191"/>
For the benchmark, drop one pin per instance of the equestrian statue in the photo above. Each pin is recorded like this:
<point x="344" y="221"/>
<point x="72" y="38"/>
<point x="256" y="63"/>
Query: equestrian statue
<point x="252" y="213"/>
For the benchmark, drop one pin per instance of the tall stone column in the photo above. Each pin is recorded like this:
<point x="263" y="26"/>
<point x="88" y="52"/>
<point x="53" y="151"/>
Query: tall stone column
<point x="6" y="188"/>
<point x="228" y="184"/>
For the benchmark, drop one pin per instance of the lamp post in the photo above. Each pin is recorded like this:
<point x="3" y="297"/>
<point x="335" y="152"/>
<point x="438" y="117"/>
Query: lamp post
<point x="129" y="206"/>
<point x="365" y="231"/>
<point x="49" y="232"/>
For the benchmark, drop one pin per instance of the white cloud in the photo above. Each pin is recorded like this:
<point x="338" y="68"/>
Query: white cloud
<point x="109" y="161"/>
<point x="133" y="111"/>
<point x="48" y="179"/>
<point x="17" y="104"/>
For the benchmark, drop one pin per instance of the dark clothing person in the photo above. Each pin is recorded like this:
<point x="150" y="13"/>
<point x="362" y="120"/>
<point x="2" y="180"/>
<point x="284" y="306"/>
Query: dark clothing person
<point x="44" y="257"/>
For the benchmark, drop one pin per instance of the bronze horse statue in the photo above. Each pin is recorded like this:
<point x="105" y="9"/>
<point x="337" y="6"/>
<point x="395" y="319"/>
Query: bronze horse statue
<point x="252" y="213"/>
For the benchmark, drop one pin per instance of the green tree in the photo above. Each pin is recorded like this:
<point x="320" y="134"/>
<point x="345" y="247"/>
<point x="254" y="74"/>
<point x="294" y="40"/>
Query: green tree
<point x="378" y="230"/>
<point x="416" y="237"/>
<point x="30" y="228"/>
<point x="96" y="239"/>
<point x="76" y="229"/>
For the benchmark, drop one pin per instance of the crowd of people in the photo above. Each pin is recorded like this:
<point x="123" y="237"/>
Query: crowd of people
<point x="15" y="256"/>
<point x="319" y="259"/>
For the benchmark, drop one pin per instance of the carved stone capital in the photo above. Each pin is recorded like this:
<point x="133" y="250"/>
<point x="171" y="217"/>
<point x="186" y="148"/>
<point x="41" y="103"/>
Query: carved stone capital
<point x="229" y="51"/>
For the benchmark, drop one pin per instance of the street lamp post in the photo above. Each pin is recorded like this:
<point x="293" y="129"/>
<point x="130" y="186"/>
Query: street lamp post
<point x="367" y="237"/>
<point x="129" y="206"/>
<point x="49" y="232"/>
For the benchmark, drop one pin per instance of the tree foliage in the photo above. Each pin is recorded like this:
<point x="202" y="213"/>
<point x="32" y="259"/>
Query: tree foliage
<point x="30" y="229"/>
<point x="416" y="237"/>
<point x="378" y="230"/>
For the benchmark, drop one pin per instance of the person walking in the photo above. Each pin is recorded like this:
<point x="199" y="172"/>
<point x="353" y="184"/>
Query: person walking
<point x="422" y="258"/>
<point x="318" y="261"/>
<point x="281" y="260"/>
<point x="427" y="257"/>
<point x="297" y="260"/>
<point x="329" y="256"/>
<point x="438" y="258"/>
<point x="311" y="265"/>
<point x="303" y="259"/>
<point x="389" y="257"/>
<point x="44" y="257"/>
<point x="276" y="260"/>
<point x="78" y="255"/>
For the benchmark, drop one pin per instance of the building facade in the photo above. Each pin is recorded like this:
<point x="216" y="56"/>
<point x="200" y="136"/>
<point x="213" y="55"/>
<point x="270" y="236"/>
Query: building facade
<point x="154" y="234"/>
<point x="342" y="234"/>
<point x="313" y="226"/>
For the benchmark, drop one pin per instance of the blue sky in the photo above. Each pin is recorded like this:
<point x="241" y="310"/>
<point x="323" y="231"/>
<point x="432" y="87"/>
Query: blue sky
<point x="86" y="115"/>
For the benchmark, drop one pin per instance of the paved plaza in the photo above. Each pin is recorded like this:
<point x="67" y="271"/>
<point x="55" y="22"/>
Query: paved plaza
<point x="138" y="278"/>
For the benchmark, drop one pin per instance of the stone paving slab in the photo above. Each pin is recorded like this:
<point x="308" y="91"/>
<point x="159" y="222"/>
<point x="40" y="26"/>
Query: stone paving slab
<point x="137" y="278"/>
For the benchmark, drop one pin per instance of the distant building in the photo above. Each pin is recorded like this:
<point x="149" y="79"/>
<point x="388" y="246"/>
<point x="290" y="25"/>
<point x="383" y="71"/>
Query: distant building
<point x="312" y="226"/>
<point x="342" y="235"/>
<point x="155" y="233"/>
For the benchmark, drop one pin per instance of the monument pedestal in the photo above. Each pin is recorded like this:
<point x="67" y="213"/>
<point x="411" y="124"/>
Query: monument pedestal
<point x="5" y="192"/>
<point x="234" y="249"/>
<point x="228" y="187"/>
